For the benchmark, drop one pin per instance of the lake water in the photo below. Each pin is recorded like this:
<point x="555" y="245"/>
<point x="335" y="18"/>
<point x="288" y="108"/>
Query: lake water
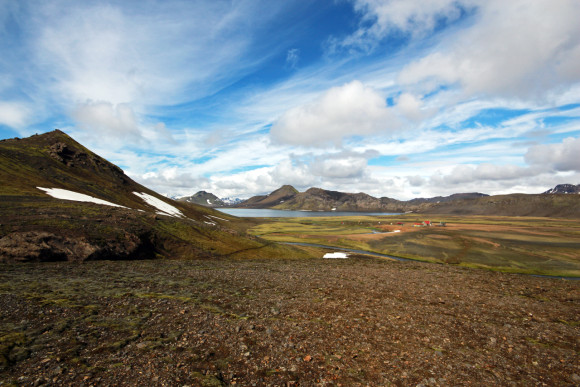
<point x="267" y="213"/>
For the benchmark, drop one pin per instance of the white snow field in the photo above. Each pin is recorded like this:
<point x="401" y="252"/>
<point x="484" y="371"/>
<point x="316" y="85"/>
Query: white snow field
<point x="65" y="194"/>
<point x="335" y="255"/>
<point x="217" y="217"/>
<point x="164" y="208"/>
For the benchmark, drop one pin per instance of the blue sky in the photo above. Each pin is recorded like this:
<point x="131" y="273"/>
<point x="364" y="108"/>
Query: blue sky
<point x="400" y="98"/>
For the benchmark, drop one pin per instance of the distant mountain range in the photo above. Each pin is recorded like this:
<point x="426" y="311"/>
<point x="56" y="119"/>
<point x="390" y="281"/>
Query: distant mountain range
<point x="317" y="199"/>
<point x="61" y="202"/>
<point x="272" y="200"/>
<point x="203" y="198"/>
<point x="207" y="199"/>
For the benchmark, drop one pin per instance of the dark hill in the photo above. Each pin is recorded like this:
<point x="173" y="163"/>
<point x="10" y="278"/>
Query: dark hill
<point x="564" y="189"/>
<point x="277" y="197"/>
<point x="37" y="227"/>
<point x="203" y="198"/>
<point x="317" y="199"/>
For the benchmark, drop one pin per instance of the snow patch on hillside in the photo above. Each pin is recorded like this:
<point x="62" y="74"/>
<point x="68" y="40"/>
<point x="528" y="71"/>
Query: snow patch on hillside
<point x="217" y="217"/>
<point x="65" y="194"/>
<point x="164" y="208"/>
<point x="335" y="255"/>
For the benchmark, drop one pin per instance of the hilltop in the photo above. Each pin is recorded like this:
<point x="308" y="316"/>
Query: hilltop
<point x="203" y="198"/>
<point x="564" y="189"/>
<point x="134" y="223"/>
<point x="276" y="198"/>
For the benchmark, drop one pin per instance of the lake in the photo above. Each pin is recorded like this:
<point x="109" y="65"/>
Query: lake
<point x="267" y="213"/>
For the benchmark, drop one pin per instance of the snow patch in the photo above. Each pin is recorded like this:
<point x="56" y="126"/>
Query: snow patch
<point x="164" y="208"/>
<point x="208" y="202"/>
<point x="216" y="217"/>
<point x="59" y="193"/>
<point x="335" y="255"/>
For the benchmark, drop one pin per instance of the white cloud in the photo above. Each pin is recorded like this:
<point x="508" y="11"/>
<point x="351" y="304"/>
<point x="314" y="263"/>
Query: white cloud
<point x="411" y="107"/>
<point x="108" y="120"/>
<point x="411" y="17"/>
<point x="348" y="110"/>
<point x="560" y="157"/>
<point x="344" y="165"/>
<point x="462" y="174"/>
<point x="416" y="181"/>
<point x="344" y="168"/>
<point x="517" y="49"/>
<point x="292" y="57"/>
<point x="117" y="54"/>
<point x="14" y="114"/>
<point x="293" y="172"/>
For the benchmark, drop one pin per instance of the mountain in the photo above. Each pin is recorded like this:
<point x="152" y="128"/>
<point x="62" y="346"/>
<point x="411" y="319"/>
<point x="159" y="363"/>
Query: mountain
<point x="60" y="201"/>
<point x="564" y="189"/>
<point x="278" y="197"/>
<point x="229" y="202"/>
<point x="316" y="199"/>
<point x="203" y="198"/>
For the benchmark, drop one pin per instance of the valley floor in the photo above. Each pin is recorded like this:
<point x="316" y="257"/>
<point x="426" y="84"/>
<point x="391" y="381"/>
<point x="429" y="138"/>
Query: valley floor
<point x="549" y="246"/>
<point x="357" y="321"/>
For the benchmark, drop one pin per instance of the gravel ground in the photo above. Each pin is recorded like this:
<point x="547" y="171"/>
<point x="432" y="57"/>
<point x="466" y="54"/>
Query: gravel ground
<point x="355" y="321"/>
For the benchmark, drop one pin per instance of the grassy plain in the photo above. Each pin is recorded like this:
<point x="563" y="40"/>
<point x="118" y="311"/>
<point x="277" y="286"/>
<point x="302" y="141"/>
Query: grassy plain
<point x="549" y="246"/>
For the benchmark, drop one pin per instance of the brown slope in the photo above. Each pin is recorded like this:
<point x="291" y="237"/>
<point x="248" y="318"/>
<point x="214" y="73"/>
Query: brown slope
<point x="55" y="160"/>
<point x="317" y="199"/>
<point x="279" y="196"/>
<point x="35" y="226"/>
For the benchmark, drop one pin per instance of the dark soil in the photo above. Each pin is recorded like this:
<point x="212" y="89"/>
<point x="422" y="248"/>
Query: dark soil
<point x="306" y="322"/>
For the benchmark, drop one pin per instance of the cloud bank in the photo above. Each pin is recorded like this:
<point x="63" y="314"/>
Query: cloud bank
<point x="398" y="98"/>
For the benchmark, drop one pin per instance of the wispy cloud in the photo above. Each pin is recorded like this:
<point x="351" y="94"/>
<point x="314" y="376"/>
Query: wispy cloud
<point x="292" y="57"/>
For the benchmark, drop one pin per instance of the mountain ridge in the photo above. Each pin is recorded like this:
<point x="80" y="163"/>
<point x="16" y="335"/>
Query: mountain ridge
<point x="203" y="198"/>
<point x="277" y="197"/>
<point x="564" y="189"/>
<point x="473" y="203"/>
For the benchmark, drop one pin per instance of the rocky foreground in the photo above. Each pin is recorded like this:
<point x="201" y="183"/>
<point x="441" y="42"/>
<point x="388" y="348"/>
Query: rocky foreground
<point x="357" y="321"/>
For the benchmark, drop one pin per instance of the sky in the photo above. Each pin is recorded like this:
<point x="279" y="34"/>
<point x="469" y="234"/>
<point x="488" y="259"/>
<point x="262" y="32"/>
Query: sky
<point x="395" y="98"/>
